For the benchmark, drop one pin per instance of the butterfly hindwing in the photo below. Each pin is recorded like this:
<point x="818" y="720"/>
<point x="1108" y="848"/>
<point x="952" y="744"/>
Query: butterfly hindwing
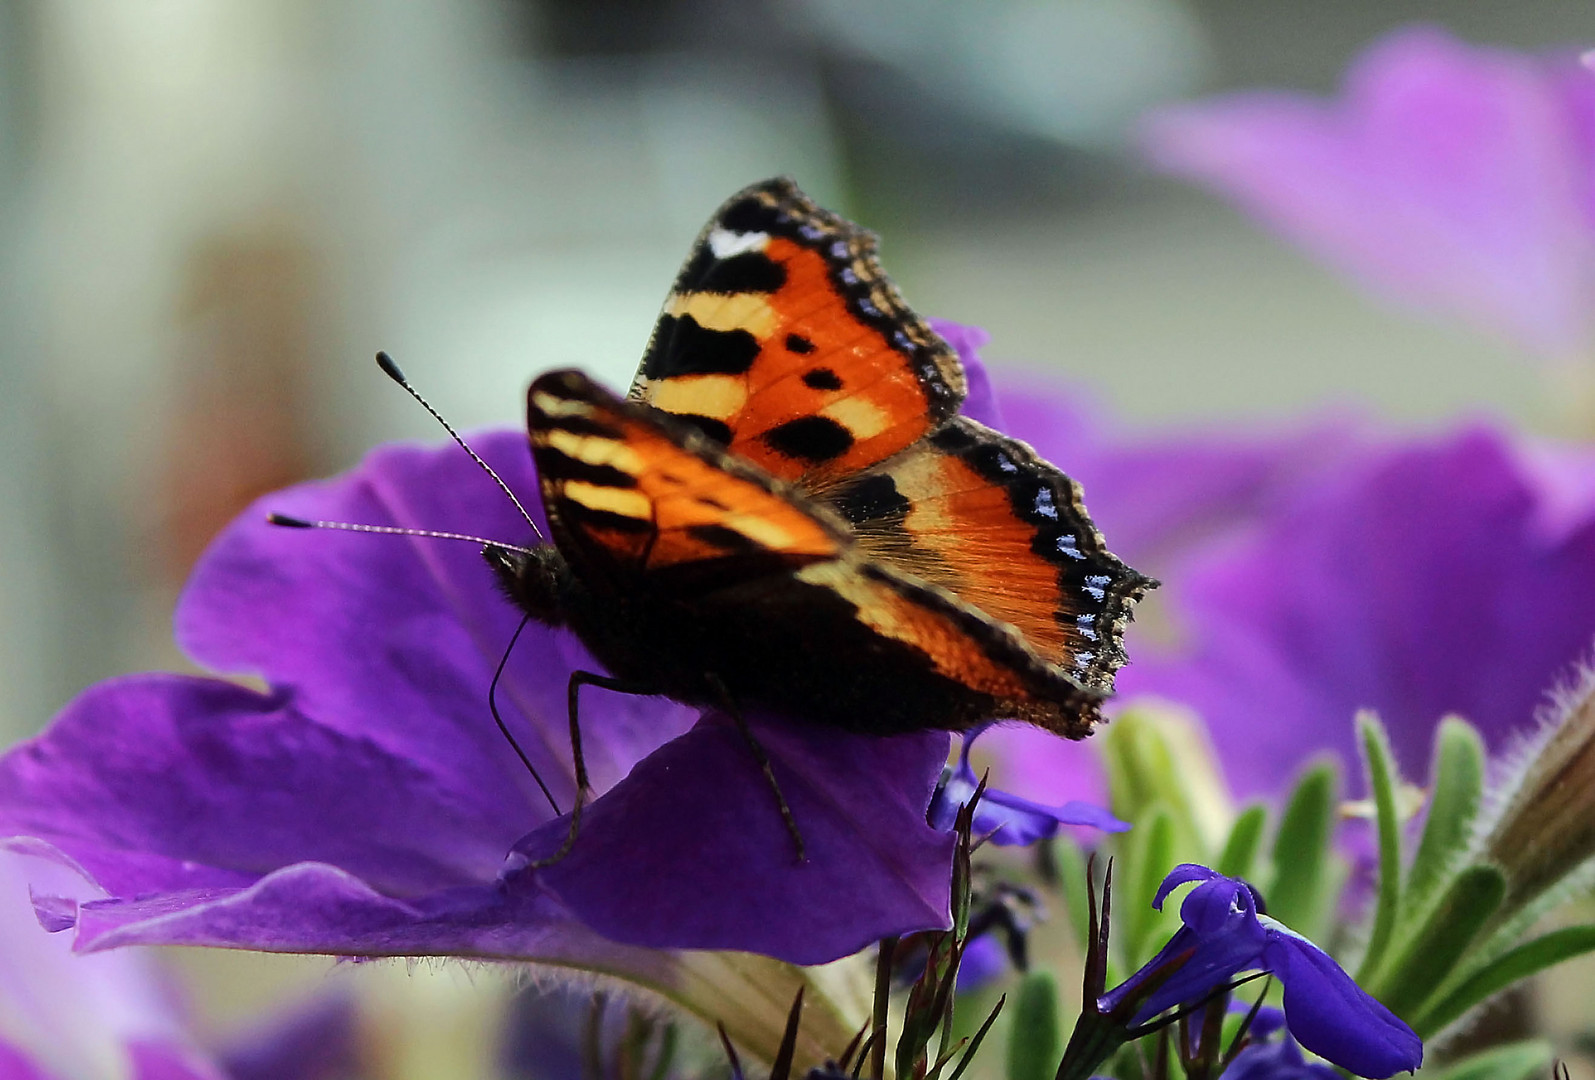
<point x="633" y="495"/>
<point x="981" y="516"/>
<point x="784" y="341"/>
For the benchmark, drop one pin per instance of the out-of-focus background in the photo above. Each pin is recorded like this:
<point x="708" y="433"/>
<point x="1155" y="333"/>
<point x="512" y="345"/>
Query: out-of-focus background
<point x="213" y="213"/>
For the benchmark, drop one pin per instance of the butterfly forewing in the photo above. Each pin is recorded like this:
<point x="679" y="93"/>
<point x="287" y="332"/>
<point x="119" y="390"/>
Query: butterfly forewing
<point x="643" y="498"/>
<point x="785" y="342"/>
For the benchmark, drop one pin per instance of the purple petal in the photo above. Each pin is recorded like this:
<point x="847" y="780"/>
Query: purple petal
<point x="1180" y="875"/>
<point x="1219" y="905"/>
<point x="394" y="639"/>
<point x="981" y="403"/>
<point x="1009" y="820"/>
<point x="1012" y="821"/>
<point x="1419" y="582"/>
<point x="183" y="792"/>
<point x="1221" y="933"/>
<point x="73" y="1015"/>
<point x="165" y="1061"/>
<point x="1448" y="176"/>
<point x="1332" y="1016"/>
<point x="317" y="1041"/>
<point x="1267" y="1021"/>
<point x="366" y="803"/>
<point x="176" y="782"/>
<point x="714" y="833"/>
<point x="1162" y="503"/>
<point x="1278" y="1061"/>
<point x="985" y="961"/>
<point x="16" y="1065"/>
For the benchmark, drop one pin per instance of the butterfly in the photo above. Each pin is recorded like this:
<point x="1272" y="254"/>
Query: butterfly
<point x="787" y="513"/>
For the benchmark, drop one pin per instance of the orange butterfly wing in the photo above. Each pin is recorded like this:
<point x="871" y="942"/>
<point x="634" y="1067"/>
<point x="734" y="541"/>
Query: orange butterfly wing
<point x="634" y="497"/>
<point x="980" y="515"/>
<point x="784" y="341"/>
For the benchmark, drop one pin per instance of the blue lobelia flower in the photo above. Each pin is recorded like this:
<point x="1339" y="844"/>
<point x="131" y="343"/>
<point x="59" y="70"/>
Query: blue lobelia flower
<point x="1277" y="1061"/>
<point x="1009" y="819"/>
<point x="1225" y="934"/>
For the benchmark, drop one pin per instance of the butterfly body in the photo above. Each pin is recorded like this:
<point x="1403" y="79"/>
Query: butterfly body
<point x="788" y="515"/>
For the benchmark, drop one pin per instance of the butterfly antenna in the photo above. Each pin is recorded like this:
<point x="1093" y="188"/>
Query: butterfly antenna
<point x="391" y="370"/>
<point x="300" y="523"/>
<point x="492" y="704"/>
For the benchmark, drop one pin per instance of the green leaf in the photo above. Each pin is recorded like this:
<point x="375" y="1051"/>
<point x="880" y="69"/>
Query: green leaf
<point x="1073" y="883"/>
<point x="1153" y="759"/>
<point x="1034" y="1039"/>
<point x="979" y="1037"/>
<point x="1525" y="960"/>
<point x="1514" y="1061"/>
<point x="1458" y="778"/>
<point x="1382" y="779"/>
<point x="1429" y="955"/>
<point x="1147" y="858"/>
<point x="1301" y="852"/>
<point x="1239" y="857"/>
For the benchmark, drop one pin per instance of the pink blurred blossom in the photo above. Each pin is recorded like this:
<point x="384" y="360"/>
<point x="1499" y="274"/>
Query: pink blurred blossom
<point x="1456" y="178"/>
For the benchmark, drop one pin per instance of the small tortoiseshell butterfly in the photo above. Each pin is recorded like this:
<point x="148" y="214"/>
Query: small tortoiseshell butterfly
<point x="788" y="514"/>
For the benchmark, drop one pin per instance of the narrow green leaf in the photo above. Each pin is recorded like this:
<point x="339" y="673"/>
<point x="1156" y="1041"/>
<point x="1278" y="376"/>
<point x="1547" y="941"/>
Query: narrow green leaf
<point x="1525" y="960"/>
<point x="1514" y="1061"/>
<point x="1034" y="1040"/>
<point x="1153" y="759"/>
<point x="1147" y="859"/>
<point x="1073" y="883"/>
<point x="1429" y="955"/>
<point x="1457" y="776"/>
<point x="980" y="1036"/>
<point x="1381" y="773"/>
<point x="1239" y="857"/>
<point x="1301" y="852"/>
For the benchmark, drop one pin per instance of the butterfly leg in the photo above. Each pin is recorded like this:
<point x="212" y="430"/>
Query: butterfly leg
<point x="578" y="679"/>
<point x="728" y="703"/>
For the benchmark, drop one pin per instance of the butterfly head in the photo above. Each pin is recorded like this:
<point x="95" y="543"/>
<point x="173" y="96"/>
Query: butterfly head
<point x="536" y="580"/>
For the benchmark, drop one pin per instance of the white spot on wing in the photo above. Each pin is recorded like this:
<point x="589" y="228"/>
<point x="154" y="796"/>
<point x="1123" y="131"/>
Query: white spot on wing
<point x="1044" y="504"/>
<point x="551" y="405"/>
<point x="725" y="243"/>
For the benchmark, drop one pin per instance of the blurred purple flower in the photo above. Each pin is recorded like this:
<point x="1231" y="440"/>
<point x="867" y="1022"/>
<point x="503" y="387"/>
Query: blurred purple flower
<point x="1312" y="573"/>
<point x="319" y="1040"/>
<point x="1009" y="819"/>
<point x="1164" y="503"/>
<point x="1277" y="1061"/>
<point x="364" y="803"/>
<point x="981" y="403"/>
<point x="63" y="1015"/>
<point x="1454" y="575"/>
<point x="1449" y="176"/>
<point x="1223" y="935"/>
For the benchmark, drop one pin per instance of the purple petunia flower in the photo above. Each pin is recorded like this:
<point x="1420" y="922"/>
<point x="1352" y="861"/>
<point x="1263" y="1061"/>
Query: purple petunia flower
<point x="1224" y="934"/>
<point x="1009" y="819"/>
<point x="1449" y="176"/>
<point x="1452" y="575"/>
<point x="364" y="804"/>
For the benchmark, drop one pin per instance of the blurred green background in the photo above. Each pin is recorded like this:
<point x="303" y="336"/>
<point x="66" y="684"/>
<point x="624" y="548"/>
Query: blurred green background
<point x="213" y="213"/>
